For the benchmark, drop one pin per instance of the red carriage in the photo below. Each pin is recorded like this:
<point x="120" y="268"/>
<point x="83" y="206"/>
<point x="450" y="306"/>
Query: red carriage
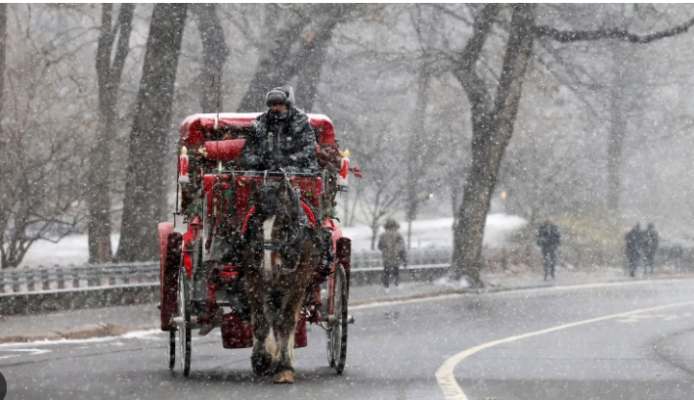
<point x="200" y="287"/>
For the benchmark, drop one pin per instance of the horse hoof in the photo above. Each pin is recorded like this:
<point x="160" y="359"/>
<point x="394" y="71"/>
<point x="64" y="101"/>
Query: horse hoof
<point x="283" y="377"/>
<point x="261" y="363"/>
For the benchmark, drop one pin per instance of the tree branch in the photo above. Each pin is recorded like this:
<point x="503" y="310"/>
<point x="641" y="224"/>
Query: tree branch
<point x="617" y="34"/>
<point x="472" y="83"/>
<point x="125" y="18"/>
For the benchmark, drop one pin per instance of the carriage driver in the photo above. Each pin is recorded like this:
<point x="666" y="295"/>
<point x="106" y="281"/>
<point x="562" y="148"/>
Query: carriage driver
<point x="283" y="138"/>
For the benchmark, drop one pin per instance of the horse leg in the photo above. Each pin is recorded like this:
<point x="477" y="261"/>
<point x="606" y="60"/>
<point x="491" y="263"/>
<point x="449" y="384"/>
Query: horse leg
<point x="261" y="358"/>
<point x="284" y="370"/>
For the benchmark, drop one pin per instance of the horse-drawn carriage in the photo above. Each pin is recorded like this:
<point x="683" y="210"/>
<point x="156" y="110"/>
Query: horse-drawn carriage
<point x="243" y="227"/>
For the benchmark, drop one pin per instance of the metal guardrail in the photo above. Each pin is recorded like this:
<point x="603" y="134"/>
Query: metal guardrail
<point x="41" y="279"/>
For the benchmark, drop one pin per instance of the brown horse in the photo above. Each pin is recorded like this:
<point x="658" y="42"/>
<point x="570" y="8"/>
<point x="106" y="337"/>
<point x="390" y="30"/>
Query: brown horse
<point x="279" y="259"/>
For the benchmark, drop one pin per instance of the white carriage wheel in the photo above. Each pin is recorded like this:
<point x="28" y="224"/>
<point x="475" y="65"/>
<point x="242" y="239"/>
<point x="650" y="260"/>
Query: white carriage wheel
<point x="340" y="320"/>
<point x="184" y="321"/>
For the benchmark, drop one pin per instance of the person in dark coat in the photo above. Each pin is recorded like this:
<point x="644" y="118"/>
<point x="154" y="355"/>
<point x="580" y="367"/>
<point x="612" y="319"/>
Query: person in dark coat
<point x="548" y="238"/>
<point x="632" y="248"/>
<point x="282" y="137"/>
<point x="394" y="253"/>
<point x="649" y="244"/>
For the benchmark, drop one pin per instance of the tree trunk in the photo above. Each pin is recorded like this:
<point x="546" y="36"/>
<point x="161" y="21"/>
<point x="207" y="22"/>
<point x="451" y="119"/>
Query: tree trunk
<point x="492" y="131"/>
<point x="109" y="76"/>
<point x="614" y="153"/>
<point x="312" y="55"/>
<point x="617" y="131"/>
<point x="374" y="235"/>
<point x="214" y="55"/>
<point x="416" y="154"/>
<point x="144" y="194"/>
<point x="3" y="44"/>
<point x="274" y="65"/>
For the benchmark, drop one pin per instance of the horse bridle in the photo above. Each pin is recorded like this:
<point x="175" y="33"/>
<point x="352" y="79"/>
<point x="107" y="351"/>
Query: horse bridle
<point x="290" y="248"/>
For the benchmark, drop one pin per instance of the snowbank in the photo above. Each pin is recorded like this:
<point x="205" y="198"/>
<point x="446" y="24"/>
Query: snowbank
<point x="71" y="250"/>
<point x="427" y="233"/>
<point x="439" y="233"/>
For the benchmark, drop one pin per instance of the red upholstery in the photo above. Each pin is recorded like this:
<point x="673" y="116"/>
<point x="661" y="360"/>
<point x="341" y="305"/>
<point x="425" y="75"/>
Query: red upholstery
<point x="193" y="128"/>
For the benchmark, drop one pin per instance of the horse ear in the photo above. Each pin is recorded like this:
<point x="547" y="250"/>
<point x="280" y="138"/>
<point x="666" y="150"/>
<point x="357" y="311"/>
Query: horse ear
<point x="283" y="190"/>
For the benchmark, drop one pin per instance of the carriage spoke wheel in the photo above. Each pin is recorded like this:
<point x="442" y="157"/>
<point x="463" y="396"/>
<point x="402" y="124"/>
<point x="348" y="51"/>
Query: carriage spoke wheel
<point x="329" y="333"/>
<point x="339" y="320"/>
<point x="184" y="321"/>
<point x="171" y="349"/>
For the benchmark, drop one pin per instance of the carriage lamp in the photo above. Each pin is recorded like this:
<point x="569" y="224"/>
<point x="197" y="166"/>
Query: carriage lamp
<point x="503" y="195"/>
<point x="196" y="223"/>
<point x="344" y="170"/>
<point x="183" y="165"/>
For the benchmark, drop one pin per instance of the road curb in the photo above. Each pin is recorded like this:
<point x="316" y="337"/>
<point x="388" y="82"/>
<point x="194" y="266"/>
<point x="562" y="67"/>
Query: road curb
<point x="499" y="289"/>
<point x="77" y="333"/>
<point x="443" y="293"/>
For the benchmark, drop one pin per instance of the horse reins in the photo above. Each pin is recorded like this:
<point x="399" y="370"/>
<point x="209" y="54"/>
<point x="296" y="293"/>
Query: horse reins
<point x="289" y="248"/>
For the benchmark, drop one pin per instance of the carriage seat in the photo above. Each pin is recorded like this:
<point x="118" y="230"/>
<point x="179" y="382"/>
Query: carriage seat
<point x="200" y="129"/>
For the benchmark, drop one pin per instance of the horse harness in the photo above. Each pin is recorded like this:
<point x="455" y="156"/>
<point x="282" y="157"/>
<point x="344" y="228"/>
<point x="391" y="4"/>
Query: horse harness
<point x="289" y="248"/>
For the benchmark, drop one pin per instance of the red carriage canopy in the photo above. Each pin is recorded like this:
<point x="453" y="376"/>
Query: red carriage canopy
<point x="195" y="128"/>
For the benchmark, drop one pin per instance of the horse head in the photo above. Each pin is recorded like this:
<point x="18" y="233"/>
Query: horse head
<point x="275" y="228"/>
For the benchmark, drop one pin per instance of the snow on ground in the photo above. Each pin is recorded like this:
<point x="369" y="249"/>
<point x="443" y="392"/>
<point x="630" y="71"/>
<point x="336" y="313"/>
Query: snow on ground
<point x="439" y="233"/>
<point x="71" y="250"/>
<point x="426" y="233"/>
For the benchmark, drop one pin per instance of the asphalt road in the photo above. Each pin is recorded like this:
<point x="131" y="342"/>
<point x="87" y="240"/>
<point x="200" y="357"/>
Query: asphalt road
<point x="395" y="351"/>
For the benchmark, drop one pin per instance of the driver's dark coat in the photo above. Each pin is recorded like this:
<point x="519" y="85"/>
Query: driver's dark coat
<point x="293" y="143"/>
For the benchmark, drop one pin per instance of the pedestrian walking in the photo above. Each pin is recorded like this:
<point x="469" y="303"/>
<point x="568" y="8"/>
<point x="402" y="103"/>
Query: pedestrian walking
<point x="649" y="245"/>
<point x="393" y="253"/>
<point x="548" y="238"/>
<point x="632" y="248"/>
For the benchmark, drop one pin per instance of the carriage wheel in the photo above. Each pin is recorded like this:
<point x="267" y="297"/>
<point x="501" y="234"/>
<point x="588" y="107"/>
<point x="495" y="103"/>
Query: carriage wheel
<point x="184" y="321"/>
<point x="329" y="342"/>
<point x="171" y="349"/>
<point x="339" y="321"/>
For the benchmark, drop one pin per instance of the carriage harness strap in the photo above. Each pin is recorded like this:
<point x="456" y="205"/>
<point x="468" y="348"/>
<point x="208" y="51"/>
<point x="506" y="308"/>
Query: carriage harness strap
<point x="291" y="247"/>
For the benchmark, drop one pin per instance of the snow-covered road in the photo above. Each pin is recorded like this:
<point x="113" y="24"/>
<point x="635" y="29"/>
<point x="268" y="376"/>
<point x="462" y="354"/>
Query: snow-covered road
<point x="395" y="350"/>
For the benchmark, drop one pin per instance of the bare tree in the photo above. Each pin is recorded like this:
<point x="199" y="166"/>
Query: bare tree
<point x="42" y="159"/>
<point x="296" y="48"/>
<point x="493" y="117"/>
<point x="3" y="44"/>
<point x="109" y="68"/>
<point x="423" y="142"/>
<point x="144" y="186"/>
<point x="492" y="125"/>
<point x="382" y="188"/>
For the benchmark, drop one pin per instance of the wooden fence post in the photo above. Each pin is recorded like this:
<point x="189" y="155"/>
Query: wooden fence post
<point x="45" y="281"/>
<point x="29" y="274"/>
<point x="75" y="277"/>
<point x="60" y="277"/>
<point x="14" y="278"/>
